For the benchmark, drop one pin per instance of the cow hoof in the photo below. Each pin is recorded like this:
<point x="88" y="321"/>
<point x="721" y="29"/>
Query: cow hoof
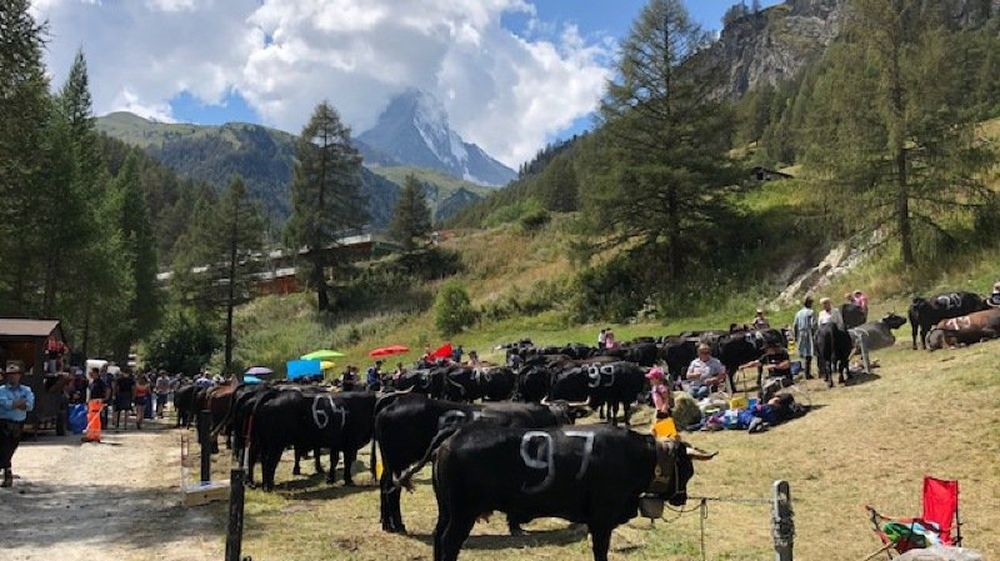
<point x="349" y="483"/>
<point x="829" y="383"/>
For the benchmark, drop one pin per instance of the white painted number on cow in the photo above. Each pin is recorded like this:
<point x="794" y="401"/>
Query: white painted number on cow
<point x="320" y="415"/>
<point x="594" y="373"/>
<point x="543" y="458"/>
<point x="538" y="452"/>
<point x="588" y="449"/>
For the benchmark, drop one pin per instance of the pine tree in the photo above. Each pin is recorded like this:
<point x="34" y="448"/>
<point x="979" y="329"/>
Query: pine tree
<point x="326" y="192"/>
<point x="889" y="111"/>
<point x="24" y="110"/>
<point x="411" y="219"/>
<point x="127" y="206"/>
<point x="664" y="170"/>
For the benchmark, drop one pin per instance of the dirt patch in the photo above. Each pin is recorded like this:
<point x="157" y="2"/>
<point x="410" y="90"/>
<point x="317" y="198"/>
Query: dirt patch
<point x="119" y="499"/>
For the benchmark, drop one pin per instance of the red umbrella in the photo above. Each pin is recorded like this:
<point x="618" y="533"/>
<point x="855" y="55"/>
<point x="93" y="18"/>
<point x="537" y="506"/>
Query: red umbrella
<point x="389" y="351"/>
<point x="444" y="351"/>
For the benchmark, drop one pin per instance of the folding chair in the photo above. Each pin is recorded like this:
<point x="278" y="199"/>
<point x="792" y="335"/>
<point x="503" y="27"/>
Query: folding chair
<point x="940" y="518"/>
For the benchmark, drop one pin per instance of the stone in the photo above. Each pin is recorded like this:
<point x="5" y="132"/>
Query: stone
<point x="941" y="553"/>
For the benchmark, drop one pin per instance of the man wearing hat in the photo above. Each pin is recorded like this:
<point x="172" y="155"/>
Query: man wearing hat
<point x="15" y="402"/>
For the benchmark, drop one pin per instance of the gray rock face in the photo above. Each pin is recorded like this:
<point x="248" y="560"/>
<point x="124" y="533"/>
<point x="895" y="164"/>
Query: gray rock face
<point x="774" y="44"/>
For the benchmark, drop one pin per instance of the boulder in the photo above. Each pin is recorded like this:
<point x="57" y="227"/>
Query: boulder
<point x="941" y="553"/>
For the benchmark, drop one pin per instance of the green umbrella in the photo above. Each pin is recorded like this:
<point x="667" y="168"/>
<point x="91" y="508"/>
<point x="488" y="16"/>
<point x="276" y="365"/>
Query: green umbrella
<point x="322" y="354"/>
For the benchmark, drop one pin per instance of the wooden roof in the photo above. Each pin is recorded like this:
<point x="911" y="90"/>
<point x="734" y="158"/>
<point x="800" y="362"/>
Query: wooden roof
<point x="16" y="327"/>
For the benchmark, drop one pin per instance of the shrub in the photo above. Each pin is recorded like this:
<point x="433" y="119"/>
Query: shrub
<point x="184" y="344"/>
<point x="535" y="219"/>
<point x="453" y="309"/>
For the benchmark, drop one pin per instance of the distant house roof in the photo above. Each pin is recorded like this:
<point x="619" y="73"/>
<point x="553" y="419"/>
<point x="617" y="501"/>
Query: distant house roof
<point x="13" y="327"/>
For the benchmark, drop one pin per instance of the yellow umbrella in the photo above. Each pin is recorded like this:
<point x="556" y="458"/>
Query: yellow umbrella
<point x="327" y="365"/>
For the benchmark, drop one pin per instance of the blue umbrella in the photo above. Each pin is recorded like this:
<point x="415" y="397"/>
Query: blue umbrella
<point x="251" y="379"/>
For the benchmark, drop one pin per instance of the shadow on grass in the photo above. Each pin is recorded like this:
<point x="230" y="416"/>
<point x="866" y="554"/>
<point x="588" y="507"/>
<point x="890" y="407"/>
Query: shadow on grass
<point x="315" y="487"/>
<point x="558" y="537"/>
<point x="862" y="378"/>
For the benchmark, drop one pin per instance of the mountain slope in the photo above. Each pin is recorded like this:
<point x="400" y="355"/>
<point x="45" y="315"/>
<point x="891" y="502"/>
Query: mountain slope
<point x="413" y="130"/>
<point x="445" y="194"/>
<point x="265" y="158"/>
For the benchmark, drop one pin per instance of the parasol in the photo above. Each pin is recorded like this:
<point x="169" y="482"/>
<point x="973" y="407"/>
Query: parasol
<point x="322" y="354"/>
<point x="389" y="351"/>
<point x="444" y="351"/>
<point x="259" y="371"/>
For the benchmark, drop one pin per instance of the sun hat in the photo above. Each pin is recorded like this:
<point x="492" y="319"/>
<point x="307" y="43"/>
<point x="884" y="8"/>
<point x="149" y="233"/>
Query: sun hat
<point x="654" y="373"/>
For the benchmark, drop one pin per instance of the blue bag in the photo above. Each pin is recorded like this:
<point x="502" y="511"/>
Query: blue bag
<point x="78" y="418"/>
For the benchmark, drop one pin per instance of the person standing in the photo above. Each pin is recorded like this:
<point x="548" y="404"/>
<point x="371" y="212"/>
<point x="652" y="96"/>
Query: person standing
<point x="124" y="389"/>
<point x="803" y="329"/>
<point x="373" y="377"/>
<point x="759" y="321"/>
<point x="602" y="338"/>
<point x="861" y="301"/>
<point x="142" y="395"/>
<point x="162" y="390"/>
<point x="609" y="339"/>
<point x="829" y="314"/>
<point x="660" y="392"/>
<point x="15" y="403"/>
<point x="100" y="391"/>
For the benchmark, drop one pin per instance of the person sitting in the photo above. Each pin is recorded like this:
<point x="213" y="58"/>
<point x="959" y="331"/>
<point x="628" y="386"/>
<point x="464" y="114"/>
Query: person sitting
<point x="759" y="321"/>
<point x="994" y="299"/>
<point x="660" y="391"/>
<point x="704" y="373"/>
<point x="777" y="365"/>
<point x="373" y="377"/>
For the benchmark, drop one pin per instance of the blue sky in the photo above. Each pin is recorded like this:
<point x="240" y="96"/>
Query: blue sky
<point x="511" y="74"/>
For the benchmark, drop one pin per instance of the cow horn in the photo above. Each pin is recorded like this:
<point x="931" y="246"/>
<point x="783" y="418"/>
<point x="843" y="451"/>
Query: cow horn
<point x="545" y="400"/>
<point x="698" y="454"/>
<point x="579" y="403"/>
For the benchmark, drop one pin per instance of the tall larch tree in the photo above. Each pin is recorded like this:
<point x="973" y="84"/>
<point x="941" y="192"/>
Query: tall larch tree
<point x="326" y="193"/>
<point x="411" y="219"/>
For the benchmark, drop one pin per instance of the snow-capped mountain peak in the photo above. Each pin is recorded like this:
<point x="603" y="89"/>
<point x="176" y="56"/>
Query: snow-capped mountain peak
<point x="413" y="130"/>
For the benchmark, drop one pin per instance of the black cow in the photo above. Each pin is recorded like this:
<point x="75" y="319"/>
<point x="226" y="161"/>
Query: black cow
<point x="406" y="428"/>
<point x="460" y="384"/>
<point x="678" y="352"/>
<point x="589" y="475"/>
<point x="428" y="381"/>
<point x="734" y="350"/>
<point x="853" y="315"/>
<point x="925" y="313"/>
<point x="184" y="400"/>
<point x="496" y="383"/>
<point x="833" y="352"/>
<point x="615" y="384"/>
<point x="311" y="420"/>
<point x="533" y="380"/>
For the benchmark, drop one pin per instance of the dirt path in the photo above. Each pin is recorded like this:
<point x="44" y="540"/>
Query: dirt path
<point x="117" y="500"/>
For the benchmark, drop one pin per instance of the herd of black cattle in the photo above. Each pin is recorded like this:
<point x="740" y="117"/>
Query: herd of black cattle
<point x="518" y="451"/>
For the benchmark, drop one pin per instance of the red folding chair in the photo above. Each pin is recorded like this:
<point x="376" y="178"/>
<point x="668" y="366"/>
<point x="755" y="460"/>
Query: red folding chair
<point x="940" y="518"/>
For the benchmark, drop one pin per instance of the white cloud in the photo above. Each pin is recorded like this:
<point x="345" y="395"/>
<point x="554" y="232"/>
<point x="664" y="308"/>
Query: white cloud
<point x="507" y="93"/>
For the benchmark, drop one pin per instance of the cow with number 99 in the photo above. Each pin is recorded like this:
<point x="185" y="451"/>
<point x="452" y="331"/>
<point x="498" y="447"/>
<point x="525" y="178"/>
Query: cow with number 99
<point x="589" y="475"/>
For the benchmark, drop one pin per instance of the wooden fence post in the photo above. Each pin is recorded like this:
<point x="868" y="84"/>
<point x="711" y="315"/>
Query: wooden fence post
<point x="234" y="530"/>
<point x="782" y="525"/>
<point x="204" y="424"/>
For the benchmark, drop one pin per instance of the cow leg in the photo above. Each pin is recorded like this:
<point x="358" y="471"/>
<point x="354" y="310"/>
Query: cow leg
<point x="350" y="456"/>
<point x="318" y="461"/>
<point x="454" y="535"/>
<point x="269" y="463"/>
<point x="331" y="476"/>
<point x="514" y="526"/>
<point x="601" y="541"/>
<point x="628" y="414"/>
<point x="297" y="469"/>
<point x="392" y="517"/>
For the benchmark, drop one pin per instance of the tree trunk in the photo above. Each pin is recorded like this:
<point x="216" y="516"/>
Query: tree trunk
<point x="86" y="327"/>
<point x="319" y="280"/>
<point x="673" y="235"/>
<point x="903" y="209"/>
<point x="231" y="300"/>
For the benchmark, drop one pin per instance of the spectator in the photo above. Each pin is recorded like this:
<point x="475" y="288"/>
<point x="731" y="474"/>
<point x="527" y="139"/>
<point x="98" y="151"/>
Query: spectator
<point x="99" y="389"/>
<point x="473" y="358"/>
<point x="349" y="379"/>
<point x="203" y="380"/>
<point x="759" y="321"/>
<point x="660" y="391"/>
<point x="861" y="301"/>
<point x="142" y="396"/>
<point x="15" y="403"/>
<point x="373" y="377"/>
<point x="994" y="299"/>
<point x="54" y="349"/>
<point x="704" y="373"/>
<point x="609" y="339"/>
<point x="124" y="388"/>
<point x="78" y="387"/>
<point x="162" y="389"/>
<point x="829" y="314"/>
<point x="602" y="339"/>
<point x="803" y="329"/>
<point x="777" y="365"/>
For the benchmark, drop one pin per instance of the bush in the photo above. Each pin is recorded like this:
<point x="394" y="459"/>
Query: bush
<point x="535" y="219"/>
<point x="183" y="345"/>
<point x="453" y="309"/>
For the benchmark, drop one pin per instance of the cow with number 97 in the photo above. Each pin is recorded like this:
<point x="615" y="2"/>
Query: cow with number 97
<point x="589" y="475"/>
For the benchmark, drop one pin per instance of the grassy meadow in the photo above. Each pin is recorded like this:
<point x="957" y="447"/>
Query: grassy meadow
<point x="924" y="413"/>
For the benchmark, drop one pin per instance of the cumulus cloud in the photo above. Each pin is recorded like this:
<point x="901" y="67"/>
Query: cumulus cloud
<point x="508" y="93"/>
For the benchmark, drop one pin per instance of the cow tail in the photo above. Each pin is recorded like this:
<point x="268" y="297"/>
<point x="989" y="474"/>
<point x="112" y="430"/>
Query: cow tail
<point x="405" y="478"/>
